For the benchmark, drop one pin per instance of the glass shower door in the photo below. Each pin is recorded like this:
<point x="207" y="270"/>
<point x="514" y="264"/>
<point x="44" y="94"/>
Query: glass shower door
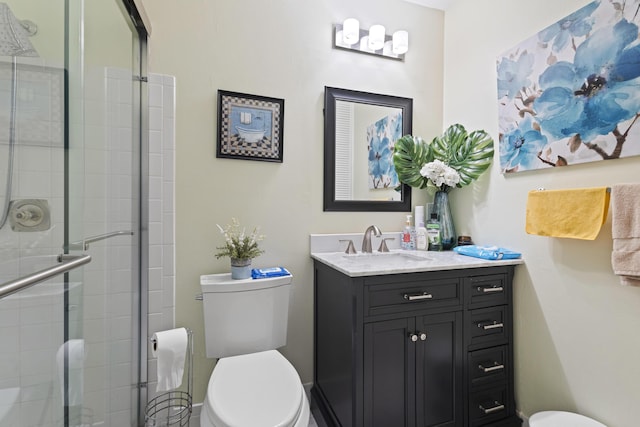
<point x="70" y="142"/>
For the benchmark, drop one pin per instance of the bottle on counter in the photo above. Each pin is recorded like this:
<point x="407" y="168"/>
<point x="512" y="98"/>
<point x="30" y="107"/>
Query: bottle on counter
<point x="433" y="233"/>
<point x="408" y="235"/>
<point x="422" y="240"/>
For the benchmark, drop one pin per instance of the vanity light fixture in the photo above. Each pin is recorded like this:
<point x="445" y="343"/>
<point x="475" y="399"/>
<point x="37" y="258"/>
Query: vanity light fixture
<point x="350" y="36"/>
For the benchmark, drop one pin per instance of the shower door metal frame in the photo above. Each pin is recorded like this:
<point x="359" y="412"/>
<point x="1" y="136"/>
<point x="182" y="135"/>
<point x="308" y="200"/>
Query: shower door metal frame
<point x="138" y="20"/>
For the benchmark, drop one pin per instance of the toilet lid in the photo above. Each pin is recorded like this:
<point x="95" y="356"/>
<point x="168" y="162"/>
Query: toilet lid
<point x="562" y="419"/>
<point x="257" y="389"/>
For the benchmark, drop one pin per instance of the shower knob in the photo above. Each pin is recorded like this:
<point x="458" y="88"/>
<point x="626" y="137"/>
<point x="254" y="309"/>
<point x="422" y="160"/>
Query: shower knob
<point x="29" y="215"/>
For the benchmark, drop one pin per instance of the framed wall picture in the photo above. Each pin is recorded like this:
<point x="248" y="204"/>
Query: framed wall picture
<point x="250" y="127"/>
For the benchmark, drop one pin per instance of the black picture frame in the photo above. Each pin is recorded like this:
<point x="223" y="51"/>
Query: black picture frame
<point x="250" y="127"/>
<point x="330" y="202"/>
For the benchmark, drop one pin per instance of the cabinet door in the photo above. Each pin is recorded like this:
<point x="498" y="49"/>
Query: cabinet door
<point x="389" y="377"/>
<point x="439" y="365"/>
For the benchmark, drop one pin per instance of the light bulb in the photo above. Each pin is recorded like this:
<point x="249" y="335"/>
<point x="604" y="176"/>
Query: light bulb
<point x="376" y="37"/>
<point x="400" y="42"/>
<point x="350" y="31"/>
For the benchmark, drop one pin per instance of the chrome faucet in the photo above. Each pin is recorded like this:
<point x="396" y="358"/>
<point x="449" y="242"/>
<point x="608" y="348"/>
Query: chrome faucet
<point x="366" y="241"/>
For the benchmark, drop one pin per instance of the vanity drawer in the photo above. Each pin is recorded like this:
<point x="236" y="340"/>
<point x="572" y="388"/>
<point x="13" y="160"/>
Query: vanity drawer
<point x="489" y="405"/>
<point x="485" y="291"/>
<point x="395" y="297"/>
<point x="488" y="325"/>
<point x="488" y="365"/>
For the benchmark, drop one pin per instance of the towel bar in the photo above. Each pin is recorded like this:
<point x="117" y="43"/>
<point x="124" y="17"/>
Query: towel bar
<point x="542" y="189"/>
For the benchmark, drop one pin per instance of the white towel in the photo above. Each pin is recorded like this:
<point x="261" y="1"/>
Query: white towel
<point x="170" y="348"/>
<point x="73" y="352"/>
<point x="625" y="229"/>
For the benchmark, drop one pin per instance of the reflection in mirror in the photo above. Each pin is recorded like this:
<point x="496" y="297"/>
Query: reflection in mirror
<point x="360" y="131"/>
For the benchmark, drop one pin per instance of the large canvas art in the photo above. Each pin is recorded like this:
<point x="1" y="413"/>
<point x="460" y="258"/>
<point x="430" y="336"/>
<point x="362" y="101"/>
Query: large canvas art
<point x="571" y="93"/>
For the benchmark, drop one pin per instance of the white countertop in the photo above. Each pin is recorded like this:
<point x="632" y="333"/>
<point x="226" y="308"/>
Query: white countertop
<point x="417" y="261"/>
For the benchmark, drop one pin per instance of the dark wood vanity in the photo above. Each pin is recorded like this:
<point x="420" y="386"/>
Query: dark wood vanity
<point x="432" y="348"/>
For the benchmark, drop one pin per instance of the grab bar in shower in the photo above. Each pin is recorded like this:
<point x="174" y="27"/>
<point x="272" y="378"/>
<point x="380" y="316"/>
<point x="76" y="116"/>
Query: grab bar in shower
<point x="83" y="245"/>
<point x="68" y="262"/>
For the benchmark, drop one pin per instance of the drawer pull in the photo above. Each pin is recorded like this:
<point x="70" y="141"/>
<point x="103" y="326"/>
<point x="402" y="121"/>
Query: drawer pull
<point x="498" y="407"/>
<point x="417" y="297"/>
<point x="495" y="367"/>
<point x="494" y="325"/>
<point x="487" y="290"/>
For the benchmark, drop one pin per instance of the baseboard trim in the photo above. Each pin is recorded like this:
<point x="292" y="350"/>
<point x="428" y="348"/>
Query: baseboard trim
<point x="196" y="409"/>
<point x="523" y="417"/>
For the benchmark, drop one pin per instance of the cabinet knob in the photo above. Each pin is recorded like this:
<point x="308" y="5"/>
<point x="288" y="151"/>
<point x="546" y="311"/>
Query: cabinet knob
<point x="413" y="337"/>
<point x="423" y="336"/>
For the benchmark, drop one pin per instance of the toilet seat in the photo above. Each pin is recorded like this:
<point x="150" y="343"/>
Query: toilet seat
<point x="562" y="419"/>
<point x="256" y="389"/>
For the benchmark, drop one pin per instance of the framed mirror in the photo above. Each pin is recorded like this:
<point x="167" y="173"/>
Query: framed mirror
<point x="360" y="129"/>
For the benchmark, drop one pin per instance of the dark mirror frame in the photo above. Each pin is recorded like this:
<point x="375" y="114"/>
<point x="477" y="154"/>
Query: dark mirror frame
<point x="331" y="95"/>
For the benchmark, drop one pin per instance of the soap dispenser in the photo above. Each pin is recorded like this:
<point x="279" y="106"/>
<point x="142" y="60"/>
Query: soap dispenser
<point x="408" y="235"/>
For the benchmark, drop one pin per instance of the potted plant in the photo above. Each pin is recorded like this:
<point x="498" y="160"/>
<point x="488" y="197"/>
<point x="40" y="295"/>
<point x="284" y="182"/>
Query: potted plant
<point x="240" y="247"/>
<point x="454" y="159"/>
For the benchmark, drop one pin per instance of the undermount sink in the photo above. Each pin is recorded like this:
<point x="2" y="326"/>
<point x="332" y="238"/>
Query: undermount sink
<point x="386" y="258"/>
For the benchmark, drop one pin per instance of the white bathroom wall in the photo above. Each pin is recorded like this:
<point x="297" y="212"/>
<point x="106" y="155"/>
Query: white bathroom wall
<point x="282" y="49"/>
<point x="576" y="329"/>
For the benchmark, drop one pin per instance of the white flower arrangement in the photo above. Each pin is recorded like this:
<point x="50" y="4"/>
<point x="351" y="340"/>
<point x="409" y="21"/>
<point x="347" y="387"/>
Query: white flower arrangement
<point x="440" y="174"/>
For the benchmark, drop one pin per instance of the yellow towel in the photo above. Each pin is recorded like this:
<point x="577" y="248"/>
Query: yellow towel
<point x="574" y="213"/>
<point x="625" y="230"/>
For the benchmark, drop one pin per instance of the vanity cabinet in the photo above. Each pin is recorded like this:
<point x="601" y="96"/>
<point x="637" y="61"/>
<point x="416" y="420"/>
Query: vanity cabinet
<point x="414" y="349"/>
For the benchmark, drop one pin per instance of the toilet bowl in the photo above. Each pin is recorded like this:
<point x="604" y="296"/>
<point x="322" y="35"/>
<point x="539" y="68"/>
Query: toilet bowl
<point x="562" y="419"/>
<point x="257" y="389"/>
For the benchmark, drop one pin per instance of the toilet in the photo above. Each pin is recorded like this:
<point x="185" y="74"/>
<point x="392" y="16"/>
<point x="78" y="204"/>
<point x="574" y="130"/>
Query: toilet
<point x="252" y="384"/>
<point x="561" y="419"/>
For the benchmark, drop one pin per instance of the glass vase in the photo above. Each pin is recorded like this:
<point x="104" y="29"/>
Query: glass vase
<point x="442" y="208"/>
<point x="240" y="268"/>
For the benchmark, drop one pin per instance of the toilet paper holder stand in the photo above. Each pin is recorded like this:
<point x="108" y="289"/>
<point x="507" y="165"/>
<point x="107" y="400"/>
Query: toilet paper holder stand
<point x="174" y="407"/>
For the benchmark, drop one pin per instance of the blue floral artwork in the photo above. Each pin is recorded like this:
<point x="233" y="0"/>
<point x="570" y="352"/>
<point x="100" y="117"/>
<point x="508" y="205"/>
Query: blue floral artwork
<point x="381" y="137"/>
<point x="571" y="93"/>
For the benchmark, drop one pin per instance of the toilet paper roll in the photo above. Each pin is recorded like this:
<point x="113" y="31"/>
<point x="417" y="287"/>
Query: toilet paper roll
<point x="170" y="348"/>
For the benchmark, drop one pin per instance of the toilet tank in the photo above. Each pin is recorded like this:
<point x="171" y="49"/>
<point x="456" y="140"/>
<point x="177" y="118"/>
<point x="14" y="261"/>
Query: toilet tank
<point x="244" y="316"/>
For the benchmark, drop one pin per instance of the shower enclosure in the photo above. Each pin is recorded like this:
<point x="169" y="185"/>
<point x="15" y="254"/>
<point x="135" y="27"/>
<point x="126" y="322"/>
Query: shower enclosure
<point x="72" y="229"/>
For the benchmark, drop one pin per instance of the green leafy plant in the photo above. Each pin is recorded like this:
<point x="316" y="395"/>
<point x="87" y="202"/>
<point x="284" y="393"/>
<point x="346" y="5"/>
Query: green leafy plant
<point x="237" y="243"/>
<point x="428" y="165"/>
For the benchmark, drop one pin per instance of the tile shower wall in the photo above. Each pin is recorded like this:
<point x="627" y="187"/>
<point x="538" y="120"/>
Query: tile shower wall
<point x="109" y="316"/>
<point x="161" y="212"/>
<point x="31" y="323"/>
